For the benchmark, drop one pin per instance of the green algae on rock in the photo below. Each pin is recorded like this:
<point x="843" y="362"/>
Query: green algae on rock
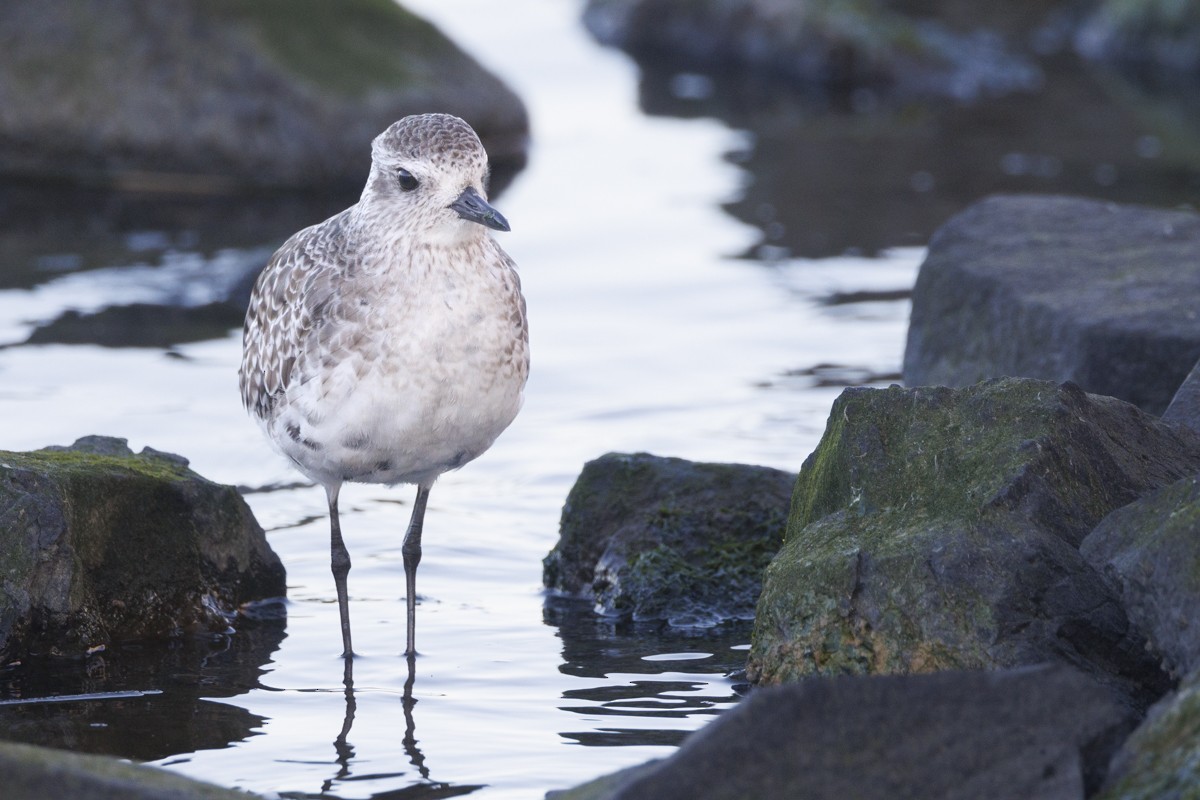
<point x="1161" y="760"/>
<point x="938" y="528"/>
<point x="101" y="545"/>
<point x="651" y="538"/>
<point x="213" y="96"/>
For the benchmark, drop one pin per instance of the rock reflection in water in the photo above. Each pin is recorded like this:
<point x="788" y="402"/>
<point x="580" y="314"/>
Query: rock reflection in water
<point x="639" y="685"/>
<point x="180" y="717"/>
<point x="829" y="174"/>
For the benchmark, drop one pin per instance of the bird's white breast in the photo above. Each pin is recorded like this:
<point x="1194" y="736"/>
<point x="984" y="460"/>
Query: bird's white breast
<point x="425" y="369"/>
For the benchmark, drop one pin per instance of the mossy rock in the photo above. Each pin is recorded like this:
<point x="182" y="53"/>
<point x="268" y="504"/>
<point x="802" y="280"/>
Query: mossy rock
<point x="209" y="96"/>
<point x="1151" y="550"/>
<point x="36" y="773"/>
<point x="938" y="529"/>
<point x="101" y="545"/>
<point x="651" y="538"/>
<point x="1161" y="760"/>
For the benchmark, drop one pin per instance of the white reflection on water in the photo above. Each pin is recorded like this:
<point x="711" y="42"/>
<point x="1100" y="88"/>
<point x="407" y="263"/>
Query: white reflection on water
<point x="645" y="337"/>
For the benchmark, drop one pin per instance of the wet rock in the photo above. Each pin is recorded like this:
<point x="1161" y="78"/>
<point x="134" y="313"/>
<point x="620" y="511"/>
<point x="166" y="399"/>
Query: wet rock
<point x="129" y="93"/>
<point x="140" y="325"/>
<point x="937" y="529"/>
<point x="1159" y="761"/>
<point x="845" y="44"/>
<point x="1160" y="37"/>
<point x="100" y="545"/>
<point x="1027" y="733"/>
<point x="1063" y="289"/>
<point x="35" y="773"/>
<point x="1150" y="548"/>
<point x="653" y="538"/>
<point x="1185" y="405"/>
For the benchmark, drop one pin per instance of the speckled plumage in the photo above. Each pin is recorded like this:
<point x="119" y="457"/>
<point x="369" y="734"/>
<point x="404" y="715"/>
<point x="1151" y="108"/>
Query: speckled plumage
<point x="389" y="343"/>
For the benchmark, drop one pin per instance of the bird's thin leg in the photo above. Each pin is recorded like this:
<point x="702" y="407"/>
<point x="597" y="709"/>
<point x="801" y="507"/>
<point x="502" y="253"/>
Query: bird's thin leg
<point x="412" y="557"/>
<point x="339" y="559"/>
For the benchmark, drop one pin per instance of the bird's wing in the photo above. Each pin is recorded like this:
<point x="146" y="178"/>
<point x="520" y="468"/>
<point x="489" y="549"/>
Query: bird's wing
<point x="290" y="299"/>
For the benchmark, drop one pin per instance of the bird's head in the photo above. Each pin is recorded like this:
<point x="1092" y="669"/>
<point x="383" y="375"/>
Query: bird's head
<point x="431" y="170"/>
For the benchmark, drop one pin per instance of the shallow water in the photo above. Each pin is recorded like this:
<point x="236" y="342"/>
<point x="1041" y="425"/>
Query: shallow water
<point x="649" y="333"/>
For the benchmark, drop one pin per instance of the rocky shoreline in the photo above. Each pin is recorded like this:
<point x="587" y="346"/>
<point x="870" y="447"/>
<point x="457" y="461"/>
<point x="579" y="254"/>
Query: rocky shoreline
<point x="1020" y="532"/>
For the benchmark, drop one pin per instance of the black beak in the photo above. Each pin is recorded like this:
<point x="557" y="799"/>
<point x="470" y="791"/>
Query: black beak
<point x="470" y="206"/>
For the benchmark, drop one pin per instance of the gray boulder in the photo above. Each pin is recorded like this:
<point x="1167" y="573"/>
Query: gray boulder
<point x="938" y="528"/>
<point x="1062" y="289"/>
<point x="205" y="96"/>
<point x="100" y="545"/>
<point x="1151" y="549"/>
<point x="1029" y="734"/>
<point x="653" y="538"/>
<point x="1161" y="760"/>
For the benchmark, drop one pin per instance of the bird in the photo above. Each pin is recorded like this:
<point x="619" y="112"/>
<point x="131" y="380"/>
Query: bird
<point x="389" y="344"/>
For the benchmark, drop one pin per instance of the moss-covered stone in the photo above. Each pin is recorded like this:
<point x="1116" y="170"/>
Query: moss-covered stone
<point x="652" y="538"/>
<point x="99" y="545"/>
<point x="937" y="528"/>
<point x="1151" y="549"/>
<point x="1161" y="760"/>
<point x="36" y="773"/>
<point x="202" y="97"/>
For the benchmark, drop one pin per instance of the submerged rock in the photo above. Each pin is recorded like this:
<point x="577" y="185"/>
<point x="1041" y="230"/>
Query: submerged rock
<point x="1161" y="760"/>
<point x="653" y="538"/>
<point x="1064" y="289"/>
<point x="101" y="545"/>
<point x="937" y="529"/>
<point x="1151" y="549"/>
<point x="1035" y="734"/>
<point x="207" y="96"/>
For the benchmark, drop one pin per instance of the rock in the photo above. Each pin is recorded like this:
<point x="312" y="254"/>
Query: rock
<point x="1159" y="761"/>
<point x="937" y="529"/>
<point x="140" y="325"/>
<point x="100" y="545"/>
<point x="35" y="773"/>
<point x="663" y="538"/>
<point x="1150" y="548"/>
<point x="1185" y="405"/>
<point x="840" y="45"/>
<point x="1028" y="733"/>
<point x="1064" y="289"/>
<point x="1147" y="36"/>
<point x="130" y="93"/>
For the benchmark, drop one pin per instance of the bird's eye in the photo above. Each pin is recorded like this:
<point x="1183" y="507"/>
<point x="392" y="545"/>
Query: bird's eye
<point x="407" y="180"/>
